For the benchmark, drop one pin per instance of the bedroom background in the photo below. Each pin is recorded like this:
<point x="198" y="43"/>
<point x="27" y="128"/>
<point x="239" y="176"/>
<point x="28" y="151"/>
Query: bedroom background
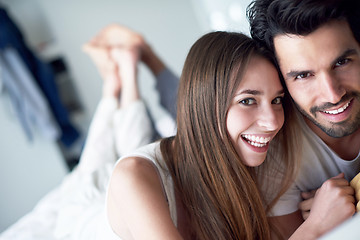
<point x="55" y="32"/>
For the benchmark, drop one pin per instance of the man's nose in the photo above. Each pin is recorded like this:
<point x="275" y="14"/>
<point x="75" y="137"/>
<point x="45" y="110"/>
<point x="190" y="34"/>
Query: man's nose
<point x="331" y="88"/>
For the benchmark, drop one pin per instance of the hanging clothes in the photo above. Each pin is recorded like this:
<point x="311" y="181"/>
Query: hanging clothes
<point x="28" y="101"/>
<point x="10" y="36"/>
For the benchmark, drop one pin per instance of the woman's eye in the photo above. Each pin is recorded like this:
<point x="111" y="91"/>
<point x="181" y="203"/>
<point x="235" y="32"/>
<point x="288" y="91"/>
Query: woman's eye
<point x="248" y="101"/>
<point x="278" y="100"/>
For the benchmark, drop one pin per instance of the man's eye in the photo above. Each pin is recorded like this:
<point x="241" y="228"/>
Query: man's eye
<point x="342" y="62"/>
<point x="303" y="75"/>
<point x="278" y="100"/>
<point x="248" y="101"/>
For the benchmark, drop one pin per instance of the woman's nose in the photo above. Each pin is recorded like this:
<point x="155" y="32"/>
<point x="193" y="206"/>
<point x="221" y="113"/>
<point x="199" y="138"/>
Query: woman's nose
<point x="270" y="118"/>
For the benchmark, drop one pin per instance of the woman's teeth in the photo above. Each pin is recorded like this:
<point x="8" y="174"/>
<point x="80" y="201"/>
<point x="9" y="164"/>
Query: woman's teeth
<point x="340" y="110"/>
<point x="256" y="141"/>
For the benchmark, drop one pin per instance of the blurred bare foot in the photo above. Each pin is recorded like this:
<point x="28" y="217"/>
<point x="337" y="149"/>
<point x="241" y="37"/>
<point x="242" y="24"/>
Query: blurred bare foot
<point x="107" y="68"/>
<point x="119" y="36"/>
<point x="115" y="35"/>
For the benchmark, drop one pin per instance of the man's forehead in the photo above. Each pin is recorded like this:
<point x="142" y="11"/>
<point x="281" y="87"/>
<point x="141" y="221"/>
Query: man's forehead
<point x="323" y="45"/>
<point x="289" y="48"/>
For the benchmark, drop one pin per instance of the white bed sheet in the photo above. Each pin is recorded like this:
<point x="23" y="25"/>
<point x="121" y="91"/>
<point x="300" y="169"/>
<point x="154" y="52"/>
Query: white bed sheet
<point x="73" y="210"/>
<point x="39" y="224"/>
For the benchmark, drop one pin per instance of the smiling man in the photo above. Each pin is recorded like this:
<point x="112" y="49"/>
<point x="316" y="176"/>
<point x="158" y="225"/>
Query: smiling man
<point x="322" y="73"/>
<point x="316" y="44"/>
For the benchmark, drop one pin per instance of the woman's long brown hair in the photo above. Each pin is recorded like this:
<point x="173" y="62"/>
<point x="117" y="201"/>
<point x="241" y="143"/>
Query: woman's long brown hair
<point x="220" y="194"/>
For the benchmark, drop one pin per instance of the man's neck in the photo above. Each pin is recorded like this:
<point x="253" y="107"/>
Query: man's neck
<point x="345" y="147"/>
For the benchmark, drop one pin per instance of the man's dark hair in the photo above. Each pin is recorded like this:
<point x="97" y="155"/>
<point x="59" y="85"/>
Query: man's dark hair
<point x="269" y="18"/>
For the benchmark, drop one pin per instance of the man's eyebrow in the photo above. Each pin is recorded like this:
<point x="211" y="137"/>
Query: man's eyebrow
<point x="294" y="73"/>
<point x="345" y="54"/>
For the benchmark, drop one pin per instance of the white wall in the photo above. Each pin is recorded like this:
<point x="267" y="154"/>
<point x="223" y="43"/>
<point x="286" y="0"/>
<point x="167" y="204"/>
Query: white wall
<point x="224" y="15"/>
<point x="30" y="170"/>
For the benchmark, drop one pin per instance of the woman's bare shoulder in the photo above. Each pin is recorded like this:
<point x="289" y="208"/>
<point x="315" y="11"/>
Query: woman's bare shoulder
<point x="136" y="202"/>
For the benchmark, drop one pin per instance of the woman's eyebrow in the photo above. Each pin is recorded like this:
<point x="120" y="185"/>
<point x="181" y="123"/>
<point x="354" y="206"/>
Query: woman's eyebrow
<point x="252" y="92"/>
<point x="280" y="92"/>
<point x="258" y="92"/>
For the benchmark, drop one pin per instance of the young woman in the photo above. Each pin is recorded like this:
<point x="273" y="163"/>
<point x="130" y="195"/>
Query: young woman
<point x="205" y="182"/>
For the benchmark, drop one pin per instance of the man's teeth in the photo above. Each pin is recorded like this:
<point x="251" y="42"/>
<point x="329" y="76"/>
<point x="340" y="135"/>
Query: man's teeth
<point x="340" y="110"/>
<point x="256" y="141"/>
